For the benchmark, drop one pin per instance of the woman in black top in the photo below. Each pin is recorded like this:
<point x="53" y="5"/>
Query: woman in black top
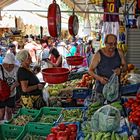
<point x="30" y="88"/>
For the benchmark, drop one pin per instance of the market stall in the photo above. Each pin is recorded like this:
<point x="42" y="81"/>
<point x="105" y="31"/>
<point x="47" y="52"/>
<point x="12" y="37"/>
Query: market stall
<point x="73" y="111"/>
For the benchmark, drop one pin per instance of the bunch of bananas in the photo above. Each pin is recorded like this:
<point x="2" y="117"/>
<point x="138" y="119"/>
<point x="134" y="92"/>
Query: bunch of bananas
<point x="123" y="47"/>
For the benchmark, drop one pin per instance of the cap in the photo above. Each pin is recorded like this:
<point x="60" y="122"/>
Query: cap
<point x="9" y="58"/>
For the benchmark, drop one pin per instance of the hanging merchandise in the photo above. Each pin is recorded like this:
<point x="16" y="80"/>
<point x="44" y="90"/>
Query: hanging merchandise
<point x="73" y="24"/>
<point x="54" y="19"/>
<point x="111" y="7"/>
<point x="87" y="26"/>
<point x="111" y="21"/>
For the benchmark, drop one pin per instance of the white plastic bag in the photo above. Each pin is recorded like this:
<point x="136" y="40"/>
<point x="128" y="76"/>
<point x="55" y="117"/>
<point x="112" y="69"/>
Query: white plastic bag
<point x="111" y="89"/>
<point x="134" y="78"/>
<point x="107" y="118"/>
<point x="46" y="96"/>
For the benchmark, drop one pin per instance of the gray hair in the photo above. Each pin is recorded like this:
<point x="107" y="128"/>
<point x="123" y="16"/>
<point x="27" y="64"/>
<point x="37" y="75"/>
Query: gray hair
<point x="22" y="55"/>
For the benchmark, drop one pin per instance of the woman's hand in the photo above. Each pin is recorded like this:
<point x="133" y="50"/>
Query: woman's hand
<point x="117" y="71"/>
<point x="40" y="86"/>
<point x="103" y="80"/>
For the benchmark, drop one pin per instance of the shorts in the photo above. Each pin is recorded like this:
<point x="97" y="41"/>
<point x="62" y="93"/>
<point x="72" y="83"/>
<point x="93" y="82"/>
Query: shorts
<point x="10" y="102"/>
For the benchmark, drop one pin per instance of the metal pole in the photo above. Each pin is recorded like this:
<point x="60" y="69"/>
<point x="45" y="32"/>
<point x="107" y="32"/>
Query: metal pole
<point x="90" y="12"/>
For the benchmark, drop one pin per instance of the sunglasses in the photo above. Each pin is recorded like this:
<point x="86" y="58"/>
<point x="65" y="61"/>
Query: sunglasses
<point x="111" y="44"/>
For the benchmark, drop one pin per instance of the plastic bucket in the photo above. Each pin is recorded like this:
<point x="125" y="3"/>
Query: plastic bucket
<point x="55" y="75"/>
<point x="74" y="60"/>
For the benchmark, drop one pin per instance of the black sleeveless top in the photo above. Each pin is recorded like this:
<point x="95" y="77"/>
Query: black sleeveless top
<point x="105" y="67"/>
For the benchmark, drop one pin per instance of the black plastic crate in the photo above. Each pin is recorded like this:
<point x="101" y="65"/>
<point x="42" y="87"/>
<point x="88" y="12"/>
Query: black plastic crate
<point x="129" y="89"/>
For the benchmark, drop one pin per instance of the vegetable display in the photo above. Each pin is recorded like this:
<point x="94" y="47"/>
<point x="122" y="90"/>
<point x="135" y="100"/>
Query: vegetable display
<point x="72" y="115"/>
<point x="134" y="106"/>
<point x="92" y="108"/>
<point x="33" y="137"/>
<point x="21" y="120"/>
<point x="48" y="118"/>
<point x="63" y="132"/>
<point x="105" y="136"/>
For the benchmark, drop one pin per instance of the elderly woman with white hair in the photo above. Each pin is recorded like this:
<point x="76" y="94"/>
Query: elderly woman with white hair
<point x="30" y="87"/>
<point x="8" y="73"/>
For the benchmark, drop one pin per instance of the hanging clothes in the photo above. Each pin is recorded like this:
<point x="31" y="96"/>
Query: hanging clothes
<point x="111" y="21"/>
<point x="111" y="6"/>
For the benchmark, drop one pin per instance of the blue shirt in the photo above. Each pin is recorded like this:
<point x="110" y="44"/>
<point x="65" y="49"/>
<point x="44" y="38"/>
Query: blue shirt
<point x="1" y="59"/>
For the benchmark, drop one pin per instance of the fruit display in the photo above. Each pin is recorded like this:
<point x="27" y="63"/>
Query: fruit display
<point x="123" y="47"/>
<point x="63" y="132"/>
<point x="133" y="105"/>
<point x="86" y="81"/>
<point x="125" y="76"/>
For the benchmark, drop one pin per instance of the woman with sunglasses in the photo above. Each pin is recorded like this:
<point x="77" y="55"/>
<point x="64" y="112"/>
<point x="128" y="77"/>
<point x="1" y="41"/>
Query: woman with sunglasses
<point x="106" y="61"/>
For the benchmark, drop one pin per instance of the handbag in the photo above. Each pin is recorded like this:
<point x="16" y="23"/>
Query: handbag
<point x="4" y="87"/>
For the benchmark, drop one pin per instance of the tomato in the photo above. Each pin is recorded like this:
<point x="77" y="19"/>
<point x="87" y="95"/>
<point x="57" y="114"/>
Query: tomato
<point x="62" y="135"/>
<point x="55" y="130"/>
<point x="138" y="96"/>
<point x="68" y="131"/>
<point x="127" y="105"/>
<point x="72" y="137"/>
<point x="136" y="119"/>
<point x="74" y="134"/>
<point x="131" y="100"/>
<point x="138" y="101"/>
<point x="62" y="126"/>
<point x="73" y="127"/>
<point x="51" y="137"/>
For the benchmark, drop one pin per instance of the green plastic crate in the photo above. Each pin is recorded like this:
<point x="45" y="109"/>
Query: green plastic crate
<point x="25" y="111"/>
<point x="33" y="128"/>
<point x="48" y="111"/>
<point x="8" y="131"/>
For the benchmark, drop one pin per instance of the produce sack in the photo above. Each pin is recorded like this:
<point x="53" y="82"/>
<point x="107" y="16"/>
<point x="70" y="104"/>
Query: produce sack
<point x="107" y="118"/>
<point x="111" y="89"/>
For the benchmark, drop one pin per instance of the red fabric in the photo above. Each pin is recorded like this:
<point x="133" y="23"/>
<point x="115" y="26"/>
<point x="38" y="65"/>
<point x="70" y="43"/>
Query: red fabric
<point x="54" y="60"/>
<point x="139" y="4"/>
<point x="113" y="7"/>
<point x="4" y="90"/>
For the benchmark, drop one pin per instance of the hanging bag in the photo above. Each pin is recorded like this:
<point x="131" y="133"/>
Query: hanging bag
<point x="111" y="89"/>
<point x="4" y="87"/>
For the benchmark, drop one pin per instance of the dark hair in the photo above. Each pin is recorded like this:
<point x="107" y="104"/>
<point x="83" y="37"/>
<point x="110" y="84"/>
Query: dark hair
<point x="107" y="36"/>
<point x="54" y="51"/>
<point x="12" y="45"/>
<point x="43" y="41"/>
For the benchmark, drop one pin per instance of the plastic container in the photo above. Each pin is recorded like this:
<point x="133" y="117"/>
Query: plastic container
<point x="55" y="75"/>
<point x="75" y="60"/>
<point x="35" y="129"/>
<point x="129" y="89"/>
<point x="81" y="93"/>
<point x="25" y="111"/>
<point x="8" y="131"/>
<point x="51" y="111"/>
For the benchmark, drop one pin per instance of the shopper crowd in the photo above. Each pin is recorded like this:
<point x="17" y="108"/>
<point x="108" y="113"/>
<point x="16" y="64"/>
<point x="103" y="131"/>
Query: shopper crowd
<point x="22" y="64"/>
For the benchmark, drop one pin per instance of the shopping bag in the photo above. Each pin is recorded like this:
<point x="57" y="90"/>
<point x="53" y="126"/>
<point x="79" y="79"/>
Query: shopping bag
<point x="111" y="89"/>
